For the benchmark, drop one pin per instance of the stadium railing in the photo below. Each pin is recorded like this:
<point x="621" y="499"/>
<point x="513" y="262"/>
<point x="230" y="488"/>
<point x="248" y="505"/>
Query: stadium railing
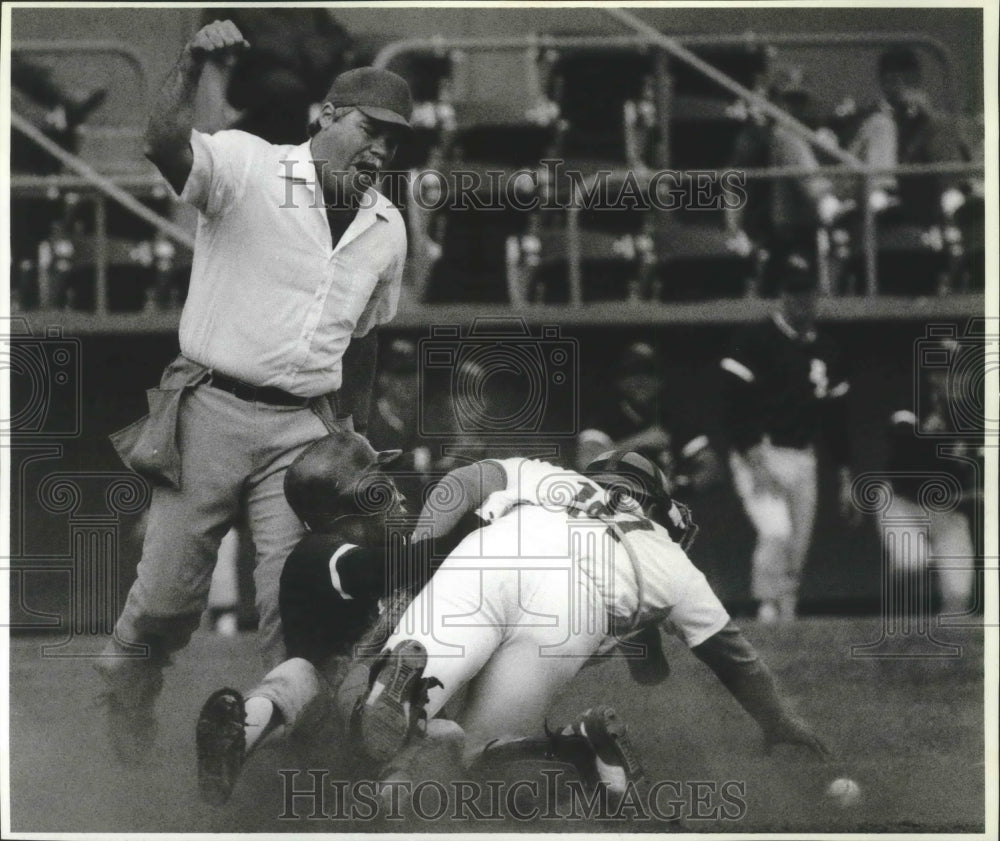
<point x="538" y="246"/>
<point x="521" y="255"/>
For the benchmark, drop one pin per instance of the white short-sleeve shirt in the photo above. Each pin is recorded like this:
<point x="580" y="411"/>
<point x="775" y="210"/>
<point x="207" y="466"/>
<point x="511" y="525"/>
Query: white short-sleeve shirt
<point x="272" y="300"/>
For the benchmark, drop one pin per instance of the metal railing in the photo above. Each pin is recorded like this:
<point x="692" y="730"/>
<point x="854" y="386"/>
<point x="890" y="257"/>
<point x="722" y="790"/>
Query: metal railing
<point x="534" y="44"/>
<point x="648" y="40"/>
<point x="84" y="183"/>
<point x="124" y="189"/>
<point x="574" y="234"/>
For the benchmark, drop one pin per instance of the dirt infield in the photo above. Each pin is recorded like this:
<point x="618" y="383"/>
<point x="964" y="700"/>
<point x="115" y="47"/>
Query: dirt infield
<point x="909" y="731"/>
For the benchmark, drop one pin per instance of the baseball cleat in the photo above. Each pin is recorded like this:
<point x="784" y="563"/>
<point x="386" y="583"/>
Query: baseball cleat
<point x="395" y="702"/>
<point x="615" y="758"/>
<point x="221" y="742"/>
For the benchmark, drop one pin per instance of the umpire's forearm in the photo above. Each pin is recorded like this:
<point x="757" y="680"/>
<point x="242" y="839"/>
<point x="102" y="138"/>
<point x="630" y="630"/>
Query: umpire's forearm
<point x="168" y="132"/>
<point x="736" y="663"/>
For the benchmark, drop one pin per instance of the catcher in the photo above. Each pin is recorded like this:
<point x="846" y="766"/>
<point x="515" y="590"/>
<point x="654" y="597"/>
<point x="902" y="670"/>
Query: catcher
<point x="569" y="567"/>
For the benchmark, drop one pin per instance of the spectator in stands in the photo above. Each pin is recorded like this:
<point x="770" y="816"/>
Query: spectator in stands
<point x="295" y="54"/>
<point x="921" y="449"/>
<point x="785" y="390"/>
<point x="781" y="215"/>
<point x="636" y="418"/>
<point x="298" y="260"/>
<point x="904" y="129"/>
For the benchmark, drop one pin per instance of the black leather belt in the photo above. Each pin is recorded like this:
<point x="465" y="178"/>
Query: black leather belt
<point x="254" y="394"/>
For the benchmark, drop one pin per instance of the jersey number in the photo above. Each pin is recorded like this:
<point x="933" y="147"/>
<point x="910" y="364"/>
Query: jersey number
<point x="817" y="376"/>
<point x="599" y="510"/>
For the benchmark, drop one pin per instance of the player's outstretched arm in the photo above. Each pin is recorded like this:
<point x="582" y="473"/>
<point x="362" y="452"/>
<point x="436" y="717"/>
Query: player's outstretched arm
<point x="737" y="664"/>
<point x="168" y="133"/>
<point x="451" y="503"/>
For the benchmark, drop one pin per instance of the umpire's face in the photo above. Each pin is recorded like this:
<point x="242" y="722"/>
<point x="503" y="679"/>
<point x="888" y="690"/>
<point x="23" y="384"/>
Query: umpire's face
<point x="350" y="150"/>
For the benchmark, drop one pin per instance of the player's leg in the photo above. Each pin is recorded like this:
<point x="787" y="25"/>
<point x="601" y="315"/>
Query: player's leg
<point x="509" y="698"/>
<point x="223" y="595"/>
<point x="282" y="434"/>
<point x="802" y="490"/>
<point x="183" y="533"/>
<point x="903" y="537"/>
<point x="231" y="726"/>
<point x="954" y="557"/>
<point x="446" y="635"/>
<point x="513" y="692"/>
<point x="768" y="513"/>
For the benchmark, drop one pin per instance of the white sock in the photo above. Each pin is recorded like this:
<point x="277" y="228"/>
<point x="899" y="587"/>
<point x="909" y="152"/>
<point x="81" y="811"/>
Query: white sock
<point x="262" y="718"/>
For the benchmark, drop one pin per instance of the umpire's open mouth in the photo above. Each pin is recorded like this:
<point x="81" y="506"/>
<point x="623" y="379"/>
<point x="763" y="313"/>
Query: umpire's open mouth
<point x="365" y="174"/>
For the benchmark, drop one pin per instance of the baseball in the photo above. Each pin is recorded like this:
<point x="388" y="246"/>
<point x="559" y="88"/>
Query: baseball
<point x="844" y="792"/>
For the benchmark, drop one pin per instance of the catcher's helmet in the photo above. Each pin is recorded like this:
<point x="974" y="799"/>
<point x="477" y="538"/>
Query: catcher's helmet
<point x="630" y="471"/>
<point x="622" y="470"/>
<point x="338" y="476"/>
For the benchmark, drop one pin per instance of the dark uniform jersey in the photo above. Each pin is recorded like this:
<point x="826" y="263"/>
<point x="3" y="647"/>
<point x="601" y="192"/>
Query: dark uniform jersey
<point x="788" y="387"/>
<point x="330" y="590"/>
<point x="918" y="455"/>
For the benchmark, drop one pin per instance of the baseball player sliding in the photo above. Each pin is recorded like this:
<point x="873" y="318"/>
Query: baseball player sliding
<point x="566" y="568"/>
<point x="617" y="567"/>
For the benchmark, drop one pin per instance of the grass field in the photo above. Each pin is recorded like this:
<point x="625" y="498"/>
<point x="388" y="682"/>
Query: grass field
<point x="909" y="731"/>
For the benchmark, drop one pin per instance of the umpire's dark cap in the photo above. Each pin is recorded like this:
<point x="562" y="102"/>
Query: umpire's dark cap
<point x="379" y="94"/>
<point x="322" y="483"/>
<point x="631" y="471"/>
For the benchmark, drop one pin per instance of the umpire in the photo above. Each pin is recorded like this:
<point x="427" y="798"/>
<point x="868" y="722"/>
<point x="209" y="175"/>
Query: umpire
<point x="297" y="259"/>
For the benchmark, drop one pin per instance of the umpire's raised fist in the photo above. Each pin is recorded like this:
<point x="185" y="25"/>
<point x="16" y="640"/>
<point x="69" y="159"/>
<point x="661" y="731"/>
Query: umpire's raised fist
<point x="215" y="39"/>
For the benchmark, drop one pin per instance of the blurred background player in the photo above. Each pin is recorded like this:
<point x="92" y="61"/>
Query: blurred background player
<point x="926" y="445"/>
<point x="637" y="418"/>
<point x="780" y="216"/>
<point x="785" y="390"/>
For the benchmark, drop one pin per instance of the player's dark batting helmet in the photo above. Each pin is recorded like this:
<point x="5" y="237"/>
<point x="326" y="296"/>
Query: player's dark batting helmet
<point x="629" y="470"/>
<point x="338" y="476"/>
